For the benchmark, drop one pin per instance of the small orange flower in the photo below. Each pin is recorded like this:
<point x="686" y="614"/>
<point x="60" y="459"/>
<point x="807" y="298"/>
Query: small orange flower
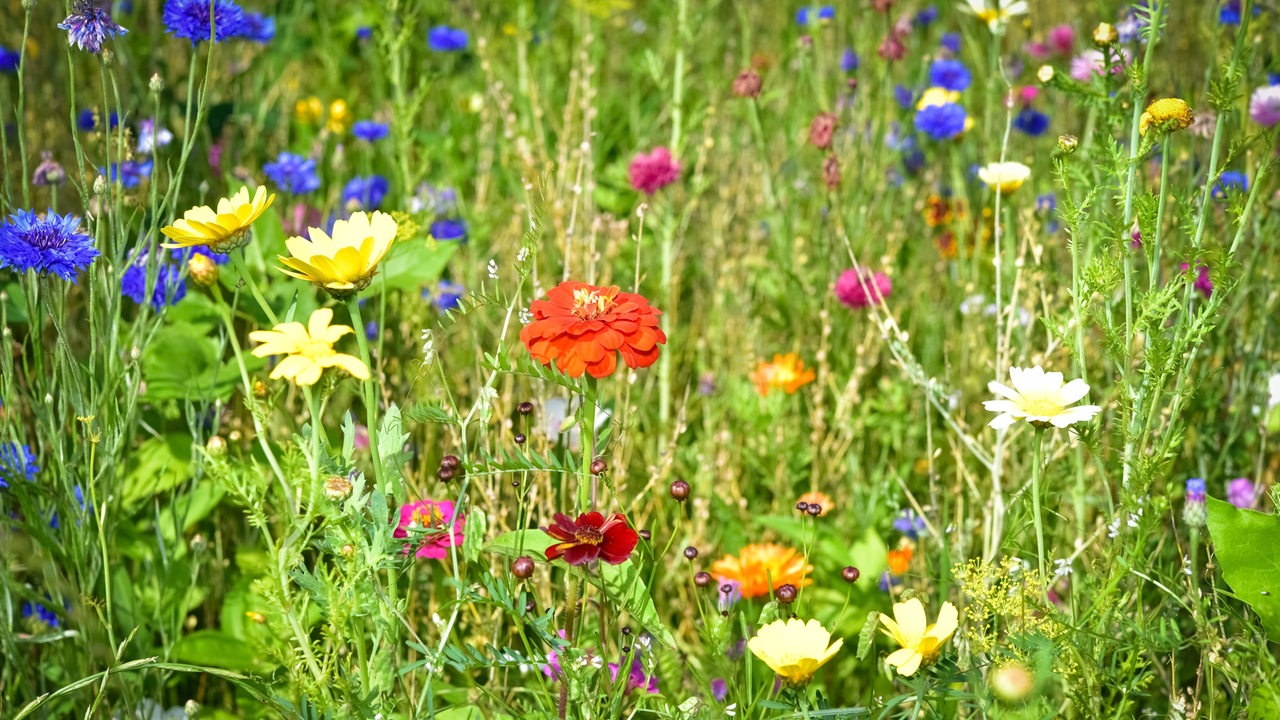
<point x="786" y="372"/>
<point x="757" y="565"/>
<point x="583" y="328"/>
<point x="938" y="211"/>
<point x="900" y="560"/>
<point x="818" y="498"/>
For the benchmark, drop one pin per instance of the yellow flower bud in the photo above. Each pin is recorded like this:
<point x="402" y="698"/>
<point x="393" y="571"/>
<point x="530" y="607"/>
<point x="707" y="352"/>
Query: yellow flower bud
<point x="203" y="270"/>
<point x="1167" y="114"/>
<point x="1105" y="34"/>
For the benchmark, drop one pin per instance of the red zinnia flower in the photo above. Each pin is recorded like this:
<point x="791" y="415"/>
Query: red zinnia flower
<point x="592" y="536"/>
<point x="650" y="173"/>
<point x="583" y="327"/>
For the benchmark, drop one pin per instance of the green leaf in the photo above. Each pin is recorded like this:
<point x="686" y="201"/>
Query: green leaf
<point x="215" y="648"/>
<point x="477" y="524"/>
<point x="391" y="440"/>
<point x="1245" y="542"/>
<point x="413" y="264"/>
<point x="184" y="363"/>
<point x="157" y="465"/>
<point x="533" y="542"/>
<point x="623" y="584"/>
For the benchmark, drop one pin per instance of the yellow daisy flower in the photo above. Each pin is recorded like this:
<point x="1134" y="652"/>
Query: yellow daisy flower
<point x="1004" y="177"/>
<point x="309" y="350"/>
<point x="345" y="263"/>
<point x="921" y="643"/>
<point x="794" y="649"/>
<point x="224" y="229"/>
<point x="1167" y="114"/>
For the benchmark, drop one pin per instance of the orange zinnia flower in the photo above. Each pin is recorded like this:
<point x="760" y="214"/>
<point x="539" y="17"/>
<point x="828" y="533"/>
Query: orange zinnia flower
<point x="900" y="560"/>
<point x="786" y="372"/>
<point x="583" y="327"/>
<point x="757" y="565"/>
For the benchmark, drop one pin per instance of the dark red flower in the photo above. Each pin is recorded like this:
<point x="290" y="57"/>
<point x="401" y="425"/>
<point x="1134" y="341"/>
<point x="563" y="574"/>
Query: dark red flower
<point x="590" y="537"/>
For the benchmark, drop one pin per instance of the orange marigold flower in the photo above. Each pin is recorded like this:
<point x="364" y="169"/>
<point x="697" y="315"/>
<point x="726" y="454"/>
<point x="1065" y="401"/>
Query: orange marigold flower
<point x="819" y="498"/>
<point x="756" y="565"/>
<point x="786" y="372"/>
<point x="583" y="328"/>
<point x="900" y="560"/>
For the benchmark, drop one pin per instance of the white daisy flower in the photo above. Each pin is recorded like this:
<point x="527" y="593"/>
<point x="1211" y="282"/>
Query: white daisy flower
<point x="1040" y="398"/>
<point x="994" y="12"/>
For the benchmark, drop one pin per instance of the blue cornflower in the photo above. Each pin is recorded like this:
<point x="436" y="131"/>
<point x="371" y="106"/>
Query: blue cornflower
<point x="40" y="612"/>
<point x="448" y="296"/>
<point x="364" y="32"/>
<point x="130" y="173"/>
<point x="1048" y="204"/>
<point x="951" y="42"/>
<point x="49" y="244"/>
<point x="258" y="28"/>
<point x="1230" y="13"/>
<point x="1232" y="180"/>
<point x="443" y="38"/>
<point x="10" y="60"/>
<point x="89" y="25"/>
<point x="909" y="523"/>
<point x="849" y="61"/>
<point x="366" y="192"/>
<point x="941" y="122"/>
<point x="1273" y="78"/>
<point x="16" y="461"/>
<point x="293" y="173"/>
<point x="191" y="19"/>
<point x="167" y="287"/>
<point x="925" y="17"/>
<point x="1031" y="121"/>
<point x="370" y="131"/>
<point x="903" y="95"/>
<point x="371" y="330"/>
<point x="449" y="229"/>
<point x="87" y="120"/>
<point x="826" y="12"/>
<point x="949" y="74"/>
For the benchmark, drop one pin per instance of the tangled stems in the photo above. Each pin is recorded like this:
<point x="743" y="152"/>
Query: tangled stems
<point x="370" y="388"/>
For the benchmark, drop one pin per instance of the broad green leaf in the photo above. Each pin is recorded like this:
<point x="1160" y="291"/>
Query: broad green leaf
<point x="472" y="540"/>
<point x="156" y="466"/>
<point x="623" y="584"/>
<point x="532" y="542"/>
<point x="413" y="264"/>
<point x="215" y="648"/>
<point x="184" y="362"/>
<point x="1245" y="542"/>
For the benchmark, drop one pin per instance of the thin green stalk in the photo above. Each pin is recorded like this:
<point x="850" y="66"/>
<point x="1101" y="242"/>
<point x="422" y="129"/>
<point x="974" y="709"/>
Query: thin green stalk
<point x="1153" y="273"/>
<point x="370" y="390"/>
<point x="242" y="268"/>
<point x="1037" y="438"/>
<point x="19" y="110"/>
<point x="587" y="429"/>
<point x="668" y="235"/>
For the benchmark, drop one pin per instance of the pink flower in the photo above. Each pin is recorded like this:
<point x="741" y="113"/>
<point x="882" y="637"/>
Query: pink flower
<point x="1264" y="106"/>
<point x="1062" y="38"/>
<point x="434" y="521"/>
<point x="1037" y="50"/>
<point x="863" y="290"/>
<point x="1202" y="281"/>
<point x="650" y="173"/>
<point x="1092" y="62"/>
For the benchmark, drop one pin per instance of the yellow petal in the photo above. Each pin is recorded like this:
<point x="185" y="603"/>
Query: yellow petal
<point x="912" y="621"/>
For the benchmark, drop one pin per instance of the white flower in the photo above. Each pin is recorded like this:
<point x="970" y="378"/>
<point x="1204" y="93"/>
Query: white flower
<point x="1273" y="386"/>
<point x="1040" y="398"/>
<point x="731" y="710"/>
<point x="1113" y="528"/>
<point x="1004" y="177"/>
<point x="1061" y="567"/>
<point x="994" y="12"/>
<point x="493" y="269"/>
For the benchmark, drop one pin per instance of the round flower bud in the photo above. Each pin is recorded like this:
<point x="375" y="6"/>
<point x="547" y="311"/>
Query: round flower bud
<point x="530" y="607"/>
<point x="821" y="130"/>
<point x="156" y="84"/>
<point x="1068" y="143"/>
<point x="1105" y="34"/>
<point x="1167" y="114"/>
<point x="337" y="487"/>
<point x="259" y="389"/>
<point x="814" y="509"/>
<point x="690" y="552"/>
<point x="786" y="594"/>
<point x="1012" y="683"/>
<point x="520" y="438"/>
<point x="747" y="84"/>
<point x="599" y="466"/>
<point x="348" y="551"/>
<point x="450" y="461"/>
<point x="1045" y="74"/>
<point x="702" y="579"/>
<point x="524" y="408"/>
<point x="626" y="629"/>
<point x="203" y="270"/>
<point x="680" y="490"/>
<point x="851" y="574"/>
<point x="216" y="446"/>
<point x="644" y="534"/>
<point x="523" y="567"/>
<point x="100" y="185"/>
<point x="445" y="474"/>
<point x="802" y="506"/>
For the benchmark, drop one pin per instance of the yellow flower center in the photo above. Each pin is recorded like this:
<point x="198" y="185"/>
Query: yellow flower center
<point x="588" y="535"/>
<point x="315" y="349"/>
<point x="591" y="304"/>
<point x="428" y="517"/>
<point x="1040" y="406"/>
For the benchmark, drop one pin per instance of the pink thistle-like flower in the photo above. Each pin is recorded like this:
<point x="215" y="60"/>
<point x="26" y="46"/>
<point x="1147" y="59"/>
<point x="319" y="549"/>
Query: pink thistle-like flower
<point x="860" y="290"/>
<point x="441" y="525"/>
<point x="650" y="173"/>
<point x="1264" y="106"/>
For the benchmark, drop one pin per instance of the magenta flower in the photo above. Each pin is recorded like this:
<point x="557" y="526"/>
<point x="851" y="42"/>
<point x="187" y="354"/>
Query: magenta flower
<point x="435" y="522"/>
<point x="636" y="678"/>
<point x="1243" y="493"/>
<point x="860" y="290"/>
<point x="650" y="173"/>
<point x="1264" y="106"/>
<point x="1062" y="38"/>
<point x="1202" y="282"/>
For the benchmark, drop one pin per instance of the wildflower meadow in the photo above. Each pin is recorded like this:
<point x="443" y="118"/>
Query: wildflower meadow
<point x="639" y="359"/>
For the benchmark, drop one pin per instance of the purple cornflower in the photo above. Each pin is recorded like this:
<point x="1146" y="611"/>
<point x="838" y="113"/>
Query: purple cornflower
<point x="849" y="61"/>
<point x="89" y="25"/>
<point x="1243" y="493"/>
<point x="10" y="60"/>
<point x="370" y="131"/>
<point x="192" y="20"/>
<point x="293" y="173"/>
<point x="950" y="42"/>
<point x="719" y="689"/>
<point x="443" y="38"/>
<point x="49" y="244"/>
<point x="1203" y="283"/>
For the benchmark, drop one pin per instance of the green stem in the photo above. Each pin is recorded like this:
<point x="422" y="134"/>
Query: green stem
<point x="1153" y="272"/>
<point x="238" y="261"/>
<point x="1036" y="440"/>
<point x="370" y="390"/>
<point x="587" y="428"/>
